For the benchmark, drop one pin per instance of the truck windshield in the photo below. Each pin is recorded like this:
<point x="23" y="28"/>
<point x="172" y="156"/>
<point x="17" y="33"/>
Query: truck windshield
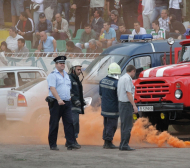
<point x="185" y="54"/>
<point x="98" y="69"/>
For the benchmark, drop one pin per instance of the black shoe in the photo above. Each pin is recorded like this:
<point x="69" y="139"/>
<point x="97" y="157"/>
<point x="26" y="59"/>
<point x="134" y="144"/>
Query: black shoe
<point x="126" y="149"/>
<point x="76" y="143"/>
<point x="109" y="145"/>
<point x="54" y="148"/>
<point x="73" y="146"/>
<point x="104" y="144"/>
<point x="66" y="145"/>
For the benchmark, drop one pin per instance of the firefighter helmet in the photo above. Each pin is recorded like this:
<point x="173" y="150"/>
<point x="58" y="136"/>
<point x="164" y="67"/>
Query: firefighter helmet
<point x="75" y="63"/>
<point x="114" y="69"/>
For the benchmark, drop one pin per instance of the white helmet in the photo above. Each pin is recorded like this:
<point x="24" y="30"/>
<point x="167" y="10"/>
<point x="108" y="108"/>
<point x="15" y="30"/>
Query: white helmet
<point x="75" y="63"/>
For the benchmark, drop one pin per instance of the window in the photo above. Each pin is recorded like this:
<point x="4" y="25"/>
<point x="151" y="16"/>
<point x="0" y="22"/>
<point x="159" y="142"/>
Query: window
<point x="7" y="80"/>
<point x="124" y="70"/>
<point x="167" y="61"/>
<point x="25" y="77"/>
<point x="140" y="63"/>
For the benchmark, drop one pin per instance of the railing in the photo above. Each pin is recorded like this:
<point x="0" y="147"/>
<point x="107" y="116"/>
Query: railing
<point x="52" y="54"/>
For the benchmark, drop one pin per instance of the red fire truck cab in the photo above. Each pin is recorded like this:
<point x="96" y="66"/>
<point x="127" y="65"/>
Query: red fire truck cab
<point x="163" y="93"/>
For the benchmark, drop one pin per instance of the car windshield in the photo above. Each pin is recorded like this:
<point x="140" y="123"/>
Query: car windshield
<point x="185" y="54"/>
<point x="30" y="84"/>
<point x="98" y="69"/>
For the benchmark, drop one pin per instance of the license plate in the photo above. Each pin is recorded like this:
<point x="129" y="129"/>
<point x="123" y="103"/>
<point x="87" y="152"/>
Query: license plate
<point x="11" y="102"/>
<point x="145" y="108"/>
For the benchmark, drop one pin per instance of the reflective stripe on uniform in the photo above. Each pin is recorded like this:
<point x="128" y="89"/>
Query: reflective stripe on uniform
<point x="76" y="108"/>
<point x="110" y="113"/>
<point x="72" y="95"/>
<point x="108" y="87"/>
<point x="75" y="83"/>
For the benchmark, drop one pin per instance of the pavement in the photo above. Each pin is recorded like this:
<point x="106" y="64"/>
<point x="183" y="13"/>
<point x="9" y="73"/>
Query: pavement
<point x="30" y="156"/>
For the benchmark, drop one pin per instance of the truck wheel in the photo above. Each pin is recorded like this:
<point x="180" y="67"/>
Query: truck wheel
<point x="182" y="128"/>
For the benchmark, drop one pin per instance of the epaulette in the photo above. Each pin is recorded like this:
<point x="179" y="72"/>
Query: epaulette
<point x="52" y="72"/>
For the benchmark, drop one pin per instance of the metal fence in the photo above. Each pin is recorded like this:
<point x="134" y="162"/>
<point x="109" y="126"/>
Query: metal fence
<point x="52" y="54"/>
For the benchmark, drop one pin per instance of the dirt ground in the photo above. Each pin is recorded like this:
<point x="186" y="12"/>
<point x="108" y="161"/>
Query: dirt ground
<point x="34" y="156"/>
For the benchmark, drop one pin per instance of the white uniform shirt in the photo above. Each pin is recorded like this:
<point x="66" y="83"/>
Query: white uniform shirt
<point x="148" y="6"/>
<point x="142" y="31"/>
<point x="125" y="85"/>
<point x="12" y="43"/>
<point x="174" y="4"/>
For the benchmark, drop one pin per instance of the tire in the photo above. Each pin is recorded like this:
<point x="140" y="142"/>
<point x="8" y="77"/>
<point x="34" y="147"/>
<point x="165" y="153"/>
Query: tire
<point x="182" y="128"/>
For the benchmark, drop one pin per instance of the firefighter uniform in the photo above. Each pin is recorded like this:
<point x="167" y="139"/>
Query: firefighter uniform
<point x="77" y="101"/>
<point x="109" y="104"/>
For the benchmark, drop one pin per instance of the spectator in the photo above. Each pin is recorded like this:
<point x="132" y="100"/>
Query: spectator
<point x="1" y="14"/>
<point x="22" y="48"/>
<point x="122" y="30"/>
<point x="138" y="29"/>
<point x="87" y="35"/>
<point x="176" y="28"/>
<point x="164" y="20"/>
<point x="115" y="20"/>
<point x="81" y="13"/>
<point x="25" y="26"/>
<point x="113" y="5"/>
<point x="174" y="8"/>
<point x="50" y="8"/>
<point x="130" y="12"/>
<point x="47" y="43"/>
<point x="157" y="32"/>
<point x="98" y="22"/>
<point x="40" y="10"/>
<point x="42" y="25"/>
<point x="17" y="6"/>
<point x="60" y="28"/>
<point x="71" y="48"/>
<point x="27" y="8"/>
<point x="93" y="48"/>
<point x="159" y="6"/>
<point x="4" y="48"/>
<point x="148" y="6"/>
<point x="184" y="10"/>
<point x="11" y="41"/>
<point x="140" y="18"/>
<point x="96" y="5"/>
<point x="108" y="36"/>
<point x="66" y="5"/>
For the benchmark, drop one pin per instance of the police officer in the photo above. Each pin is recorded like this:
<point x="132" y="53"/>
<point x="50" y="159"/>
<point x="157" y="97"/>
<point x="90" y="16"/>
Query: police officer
<point x="60" y="105"/>
<point x="109" y="104"/>
<point x="127" y="106"/>
<point x="77" y="99"/>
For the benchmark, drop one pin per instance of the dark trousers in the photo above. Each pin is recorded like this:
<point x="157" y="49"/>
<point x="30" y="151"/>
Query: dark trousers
<point x="28" y="36"/>
<point x="177" y="13"/>
<point x="75" y="115"/>
<point x="81" y="18"/>
<point x="129" y="18"/>
<point x="56" y="112"/>
<point x="110" y="127"/>
<point x="60" y="36"/>
<point x="126" y="114"/>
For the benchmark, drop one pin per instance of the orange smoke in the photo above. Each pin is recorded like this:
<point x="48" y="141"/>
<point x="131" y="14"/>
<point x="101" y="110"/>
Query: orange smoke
<point x="143" y="131"/>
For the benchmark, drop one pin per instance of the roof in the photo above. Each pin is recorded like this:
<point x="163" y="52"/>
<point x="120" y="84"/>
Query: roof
<point x="185" y="42"/>
<point x="10" y="68"/>
<point x="135" y="48"/>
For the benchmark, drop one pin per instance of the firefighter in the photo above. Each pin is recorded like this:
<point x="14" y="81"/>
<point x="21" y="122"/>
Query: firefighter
<point x="77" y="99"/>
<point x="109" y="104"/>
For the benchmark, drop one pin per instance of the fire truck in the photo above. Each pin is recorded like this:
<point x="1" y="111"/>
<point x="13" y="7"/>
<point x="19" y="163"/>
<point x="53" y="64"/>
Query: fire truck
<point x="163" y="93"/>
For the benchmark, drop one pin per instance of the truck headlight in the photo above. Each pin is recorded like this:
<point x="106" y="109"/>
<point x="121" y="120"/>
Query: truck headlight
<point x="178" y="94"/>
<point x="88" y="101"/>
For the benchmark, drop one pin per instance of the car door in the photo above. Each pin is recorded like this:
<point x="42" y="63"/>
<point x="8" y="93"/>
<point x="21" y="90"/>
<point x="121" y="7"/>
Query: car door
<point x="7" y="82"/>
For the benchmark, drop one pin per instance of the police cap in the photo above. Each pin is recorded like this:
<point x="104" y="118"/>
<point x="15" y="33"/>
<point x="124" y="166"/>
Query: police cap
<point x="60" y="59"/>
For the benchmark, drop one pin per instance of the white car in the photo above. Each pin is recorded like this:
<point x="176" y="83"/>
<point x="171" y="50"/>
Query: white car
<point x="27" y="103"/>
<point x="13" y="77"/>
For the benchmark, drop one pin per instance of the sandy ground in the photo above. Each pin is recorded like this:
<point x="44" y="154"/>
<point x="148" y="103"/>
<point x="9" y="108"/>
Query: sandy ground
<point x="30" y="156"/>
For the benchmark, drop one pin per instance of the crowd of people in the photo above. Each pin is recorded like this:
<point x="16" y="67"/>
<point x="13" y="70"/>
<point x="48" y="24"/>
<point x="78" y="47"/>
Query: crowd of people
<point x="104" y="21"/>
